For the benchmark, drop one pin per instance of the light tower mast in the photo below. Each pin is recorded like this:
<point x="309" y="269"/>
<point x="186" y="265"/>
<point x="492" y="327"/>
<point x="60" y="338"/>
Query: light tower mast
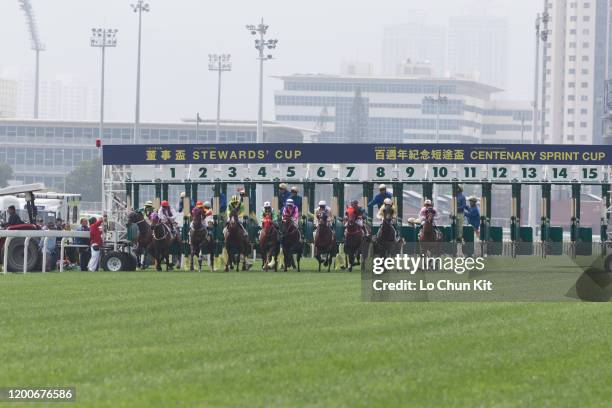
<point x="37" y="46"/>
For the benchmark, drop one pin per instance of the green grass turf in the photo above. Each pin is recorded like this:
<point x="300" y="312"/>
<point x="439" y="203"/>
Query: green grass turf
<point x="253" y="339"/>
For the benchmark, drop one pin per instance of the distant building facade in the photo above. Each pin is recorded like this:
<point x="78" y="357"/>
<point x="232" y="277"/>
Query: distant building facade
<point x="478" y="49"/>
<point x="8" y="98"/>
<point x="414" y="40"/>
<point x="349" y="109"/>
<point x="46" y="151"/>
<point x="60" y="99"/>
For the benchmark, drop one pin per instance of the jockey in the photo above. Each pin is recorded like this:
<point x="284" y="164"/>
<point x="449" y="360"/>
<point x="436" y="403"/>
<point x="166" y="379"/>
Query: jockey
<point x="389" y="208"/>
<point x="208" y="214"/>
<point x="427" y="206"/>
<point x="147" y="209"/>
<point x="354" y="210"/>
<point x="267" y="210"/>
<point x="234" y="205"/>
<point x="197" y="212"/>
<point x="168" y="216"/>
<point x="291" y="211"/>
<point x="323" y="209"/>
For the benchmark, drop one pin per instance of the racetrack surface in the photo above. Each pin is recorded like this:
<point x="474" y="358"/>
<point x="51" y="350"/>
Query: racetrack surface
<point x="250" y="339"/>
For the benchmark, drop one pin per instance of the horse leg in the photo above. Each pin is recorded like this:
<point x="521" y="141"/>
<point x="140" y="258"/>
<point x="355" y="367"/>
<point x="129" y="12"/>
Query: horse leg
<point x="168" y="264"/>
<point x="158" y="263"/>
<point x="299" y="257"/>
<point x="319" y="260"/>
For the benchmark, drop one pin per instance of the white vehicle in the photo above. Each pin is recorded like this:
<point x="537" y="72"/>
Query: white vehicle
<point x="49" y="205"/>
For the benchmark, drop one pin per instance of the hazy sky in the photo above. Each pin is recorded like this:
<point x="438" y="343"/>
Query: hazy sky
<point x="314" y="37"/>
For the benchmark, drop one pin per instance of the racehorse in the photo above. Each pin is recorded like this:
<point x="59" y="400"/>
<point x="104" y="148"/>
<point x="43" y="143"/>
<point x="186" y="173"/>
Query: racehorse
<point x="385" y="242"/>
<point x="325" y="243"/>
<point x="268" y="243"/>
<point x="429" y="236"/>
<point x="162" y="241"/>
<point x="200" y="242"/>
<point x="144" y="239"/>
<point x="353" y="242"/>
<point x="236" y="244"/>
<point x="291" y="242"/>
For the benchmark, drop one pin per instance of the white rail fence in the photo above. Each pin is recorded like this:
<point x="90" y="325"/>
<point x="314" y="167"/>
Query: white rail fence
<point x="45" y="235"/>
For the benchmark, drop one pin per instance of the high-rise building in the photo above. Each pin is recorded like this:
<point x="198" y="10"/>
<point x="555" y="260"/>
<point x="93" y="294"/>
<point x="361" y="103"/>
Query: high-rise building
<point x="478" y="49"/>
<point x="416" y="41"/>
<point x="577" y="65"/>
<point x="358" y="109"/>
<point x="60" y="99"/>
<point x="8" y="98"/>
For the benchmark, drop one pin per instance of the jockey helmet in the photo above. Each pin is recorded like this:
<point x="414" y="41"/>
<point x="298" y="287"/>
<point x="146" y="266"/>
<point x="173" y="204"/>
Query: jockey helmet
<point x="382" y="187"/>
<point x="149" y="203"/>
<point x="354" y="203"/>
<point x="199" y="204"/>
<point x="289" y="203"/>
<point x="388" y="201"/>
<point x="183" y="194"/>
<point x="165" y="203"/>
<point x="294" y="189"/>
<point x="235" y="199"/>
<point x="282" y="186"/>
<point x="267" y="204"/>
<point x="207" y="204"/>
<point x="427" y="202"/>
<point x="473" y="199"/>
<point x="322" y="203"/>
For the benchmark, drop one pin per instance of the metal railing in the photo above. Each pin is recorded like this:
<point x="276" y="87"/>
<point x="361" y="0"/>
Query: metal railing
<point x="45" y="235"/>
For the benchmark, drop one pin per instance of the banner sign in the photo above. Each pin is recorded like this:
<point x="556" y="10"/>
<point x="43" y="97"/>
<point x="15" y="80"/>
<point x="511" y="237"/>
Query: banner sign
<point x="356" y="153"/>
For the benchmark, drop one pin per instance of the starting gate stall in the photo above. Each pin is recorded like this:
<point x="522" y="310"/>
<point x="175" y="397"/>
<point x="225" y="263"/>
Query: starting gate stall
<point x="262" y="167"/>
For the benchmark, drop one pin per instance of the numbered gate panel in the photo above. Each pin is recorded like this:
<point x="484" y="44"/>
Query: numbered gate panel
<point x="411" y="172"/>
<point x="473" y="172"/>
<point x="165" y="173"/>
<point x="500" y="172"/>
<point x="561" y="173"/>
<point x="529" y="173"/>
<point x="232" y="172"/>
<point x="591" y="173"/>
<point x="201" y="172"/>
<point x="352" y="172"/>
<point x="292" y="172"/>
<point x="382" y="172"/>
<point x="263" y="172"/>
<point x="322" y="172"/>
<point x="440" y="172"/>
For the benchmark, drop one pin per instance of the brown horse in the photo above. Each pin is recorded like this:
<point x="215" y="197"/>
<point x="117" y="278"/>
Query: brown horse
<point x="385" y="243"/>
<point x="144" y="239"/>
<point x="200" y="242"/>
<point x="162" y="240"/>
<point x="236" y="244"/>
<point x="325" y="243"/>
<point x="269" y="244"/>
<point x="353" y="242"/>
<point x="292" y="243"/>
<point x="429" y="236"/>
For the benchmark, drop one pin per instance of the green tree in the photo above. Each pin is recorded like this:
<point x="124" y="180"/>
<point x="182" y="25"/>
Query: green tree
<point x="6" y="174"/>
<point x="86" y="179"/>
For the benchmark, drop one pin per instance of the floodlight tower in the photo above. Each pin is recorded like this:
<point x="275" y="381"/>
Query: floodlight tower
<point x="219" y="63"/>
<point x="102" y="38"/>
<point x="37" y="46"/>
<point x="139" y="7"/>
<point x="261" y="44"/>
